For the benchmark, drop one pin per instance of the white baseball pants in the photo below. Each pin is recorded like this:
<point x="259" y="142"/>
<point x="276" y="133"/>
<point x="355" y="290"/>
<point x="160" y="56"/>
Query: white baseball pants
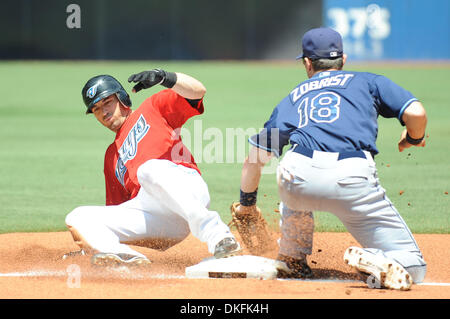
<point x="350" y="189"/>
<point x="172" y="202"/>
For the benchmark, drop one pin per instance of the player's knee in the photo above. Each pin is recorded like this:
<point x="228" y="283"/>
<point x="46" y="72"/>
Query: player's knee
<point x="77" y="217"/>
<point x="76" y="222"/>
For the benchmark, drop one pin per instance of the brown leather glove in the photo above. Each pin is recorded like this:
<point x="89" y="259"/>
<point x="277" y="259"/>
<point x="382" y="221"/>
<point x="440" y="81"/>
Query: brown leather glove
<point x="251" y="226"/>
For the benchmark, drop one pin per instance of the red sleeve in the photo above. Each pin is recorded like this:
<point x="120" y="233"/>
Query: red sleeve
<point x="175" y="108"/>
<point x="115" y="193"/>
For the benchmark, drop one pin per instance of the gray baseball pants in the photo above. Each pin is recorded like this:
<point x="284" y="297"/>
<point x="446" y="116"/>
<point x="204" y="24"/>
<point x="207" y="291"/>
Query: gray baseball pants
<point x="348" y="188"/>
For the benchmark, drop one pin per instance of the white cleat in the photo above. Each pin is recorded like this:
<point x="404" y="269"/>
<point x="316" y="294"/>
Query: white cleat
<point x="227" y="247"/>
<point x="383" y="272"/>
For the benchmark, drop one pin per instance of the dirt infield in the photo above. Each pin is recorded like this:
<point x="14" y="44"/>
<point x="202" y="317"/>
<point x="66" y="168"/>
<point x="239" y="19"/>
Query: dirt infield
<point x="31" y="267"/>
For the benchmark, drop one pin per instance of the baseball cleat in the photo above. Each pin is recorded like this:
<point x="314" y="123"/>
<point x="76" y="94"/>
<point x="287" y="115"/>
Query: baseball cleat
<point x="383" y="272"/>
<point x="227" y="247"/>
<point x="295" y="268"/>
<point x="109" y="259"/>
<point x="76" y="253"/>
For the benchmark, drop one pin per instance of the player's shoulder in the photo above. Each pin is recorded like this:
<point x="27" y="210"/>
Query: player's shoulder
<point x="162" y="94"/>
<point x="285" y="102"/>
<point x="368" y="80"/>
<point x="153" y="101"/>
<point x="377" y="81"/>
<point x="362" y="75"/>
<point x="160" y="99"/>
<point x="369" y="76"/>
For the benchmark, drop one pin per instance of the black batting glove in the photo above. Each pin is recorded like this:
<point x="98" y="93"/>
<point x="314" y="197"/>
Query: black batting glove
<point x="147" y="79"/>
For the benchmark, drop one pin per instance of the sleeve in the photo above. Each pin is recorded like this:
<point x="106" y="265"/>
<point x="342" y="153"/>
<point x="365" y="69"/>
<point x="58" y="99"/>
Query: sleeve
<point x="392" y="98"/>
<point x="115" y="193"/>
<point x="275" y="134"/>
<point x="175" y="108"/>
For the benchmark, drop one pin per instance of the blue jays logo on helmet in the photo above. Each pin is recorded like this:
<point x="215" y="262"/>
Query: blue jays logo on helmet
<point x="92" y="91"/>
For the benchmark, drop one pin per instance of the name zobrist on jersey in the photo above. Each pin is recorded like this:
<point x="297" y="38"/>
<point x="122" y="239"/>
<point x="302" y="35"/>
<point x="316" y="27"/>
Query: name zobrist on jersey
<point x="324" y="81"/>
<point x="129" y="148"/>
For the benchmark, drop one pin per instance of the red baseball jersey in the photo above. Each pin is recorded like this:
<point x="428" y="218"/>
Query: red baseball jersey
<point x="150" y="132"/>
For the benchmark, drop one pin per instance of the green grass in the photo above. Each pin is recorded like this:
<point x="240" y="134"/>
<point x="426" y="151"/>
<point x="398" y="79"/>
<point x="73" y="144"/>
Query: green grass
<point x="52" y="154"/>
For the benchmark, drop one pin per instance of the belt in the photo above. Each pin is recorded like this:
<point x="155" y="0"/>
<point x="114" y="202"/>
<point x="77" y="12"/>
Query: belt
<point x="342" y="155"/>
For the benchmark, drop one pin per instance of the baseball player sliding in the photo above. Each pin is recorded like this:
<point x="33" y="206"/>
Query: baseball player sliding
<point x="330" y="120"/>
<point x="155" y="195"/>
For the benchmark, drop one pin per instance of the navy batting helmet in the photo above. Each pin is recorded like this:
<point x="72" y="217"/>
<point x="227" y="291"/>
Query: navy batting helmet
<point x="100" y="87"/>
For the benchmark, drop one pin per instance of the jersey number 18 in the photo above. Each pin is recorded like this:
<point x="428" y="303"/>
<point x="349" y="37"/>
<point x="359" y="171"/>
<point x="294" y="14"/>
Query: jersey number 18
<point x="324" y="108"/>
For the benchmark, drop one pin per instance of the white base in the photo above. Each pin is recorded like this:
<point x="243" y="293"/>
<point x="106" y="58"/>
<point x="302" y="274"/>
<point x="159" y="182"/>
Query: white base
<point x="246" y="266"/>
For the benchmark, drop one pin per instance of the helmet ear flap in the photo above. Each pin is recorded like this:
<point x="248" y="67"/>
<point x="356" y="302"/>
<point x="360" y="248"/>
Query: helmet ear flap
<point x="124" y="98"/>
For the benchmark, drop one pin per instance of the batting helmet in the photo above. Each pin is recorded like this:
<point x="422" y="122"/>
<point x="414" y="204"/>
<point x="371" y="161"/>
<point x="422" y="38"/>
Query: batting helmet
<point x="100" y="87"/>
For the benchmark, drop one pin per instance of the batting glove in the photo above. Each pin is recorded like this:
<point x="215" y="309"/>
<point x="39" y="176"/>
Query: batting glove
<point x="147" y="79"/>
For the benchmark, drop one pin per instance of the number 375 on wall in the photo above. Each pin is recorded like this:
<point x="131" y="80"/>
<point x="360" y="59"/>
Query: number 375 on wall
<point x="362" y="28"/>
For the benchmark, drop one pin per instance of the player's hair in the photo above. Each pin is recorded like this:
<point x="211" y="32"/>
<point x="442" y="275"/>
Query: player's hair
<point x="326" y="64"/>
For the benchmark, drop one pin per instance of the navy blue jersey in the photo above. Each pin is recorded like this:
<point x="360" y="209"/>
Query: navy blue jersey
<point x="334" y="111"/>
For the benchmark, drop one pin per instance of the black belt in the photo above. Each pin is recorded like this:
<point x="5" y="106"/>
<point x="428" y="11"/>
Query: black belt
<point x="342" y="155"/>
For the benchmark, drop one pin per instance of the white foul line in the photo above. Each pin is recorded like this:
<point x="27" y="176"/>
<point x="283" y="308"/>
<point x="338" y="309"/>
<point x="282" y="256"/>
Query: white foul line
<point x="46" y="273"/>
<point x="446" y="284"/>
<point x="38" y="273"/>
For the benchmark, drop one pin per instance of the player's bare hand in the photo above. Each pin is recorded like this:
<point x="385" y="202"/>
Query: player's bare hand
<point x="241" y="209"/>
<point x="147" y="79"/>
<point x="403" y="143"/>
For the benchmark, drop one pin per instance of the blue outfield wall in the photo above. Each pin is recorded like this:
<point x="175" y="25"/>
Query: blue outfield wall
<point x="391" y="29"/>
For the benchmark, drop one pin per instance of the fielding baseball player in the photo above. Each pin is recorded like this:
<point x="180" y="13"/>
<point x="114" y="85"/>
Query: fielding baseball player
<point x="330" y="120"/>
<point x="155" y="195"/>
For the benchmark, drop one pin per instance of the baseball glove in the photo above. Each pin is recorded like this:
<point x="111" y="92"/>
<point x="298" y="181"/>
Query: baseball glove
<point x="252" y="228"/>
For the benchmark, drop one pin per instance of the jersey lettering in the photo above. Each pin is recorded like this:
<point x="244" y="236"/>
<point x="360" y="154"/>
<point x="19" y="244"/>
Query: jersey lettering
<point x="324" y="108"/>
<point x="129" y="148"/>
<point x="121" y="169"/>
<point x="303" y="112"/>
<point x="339" y="80"/>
